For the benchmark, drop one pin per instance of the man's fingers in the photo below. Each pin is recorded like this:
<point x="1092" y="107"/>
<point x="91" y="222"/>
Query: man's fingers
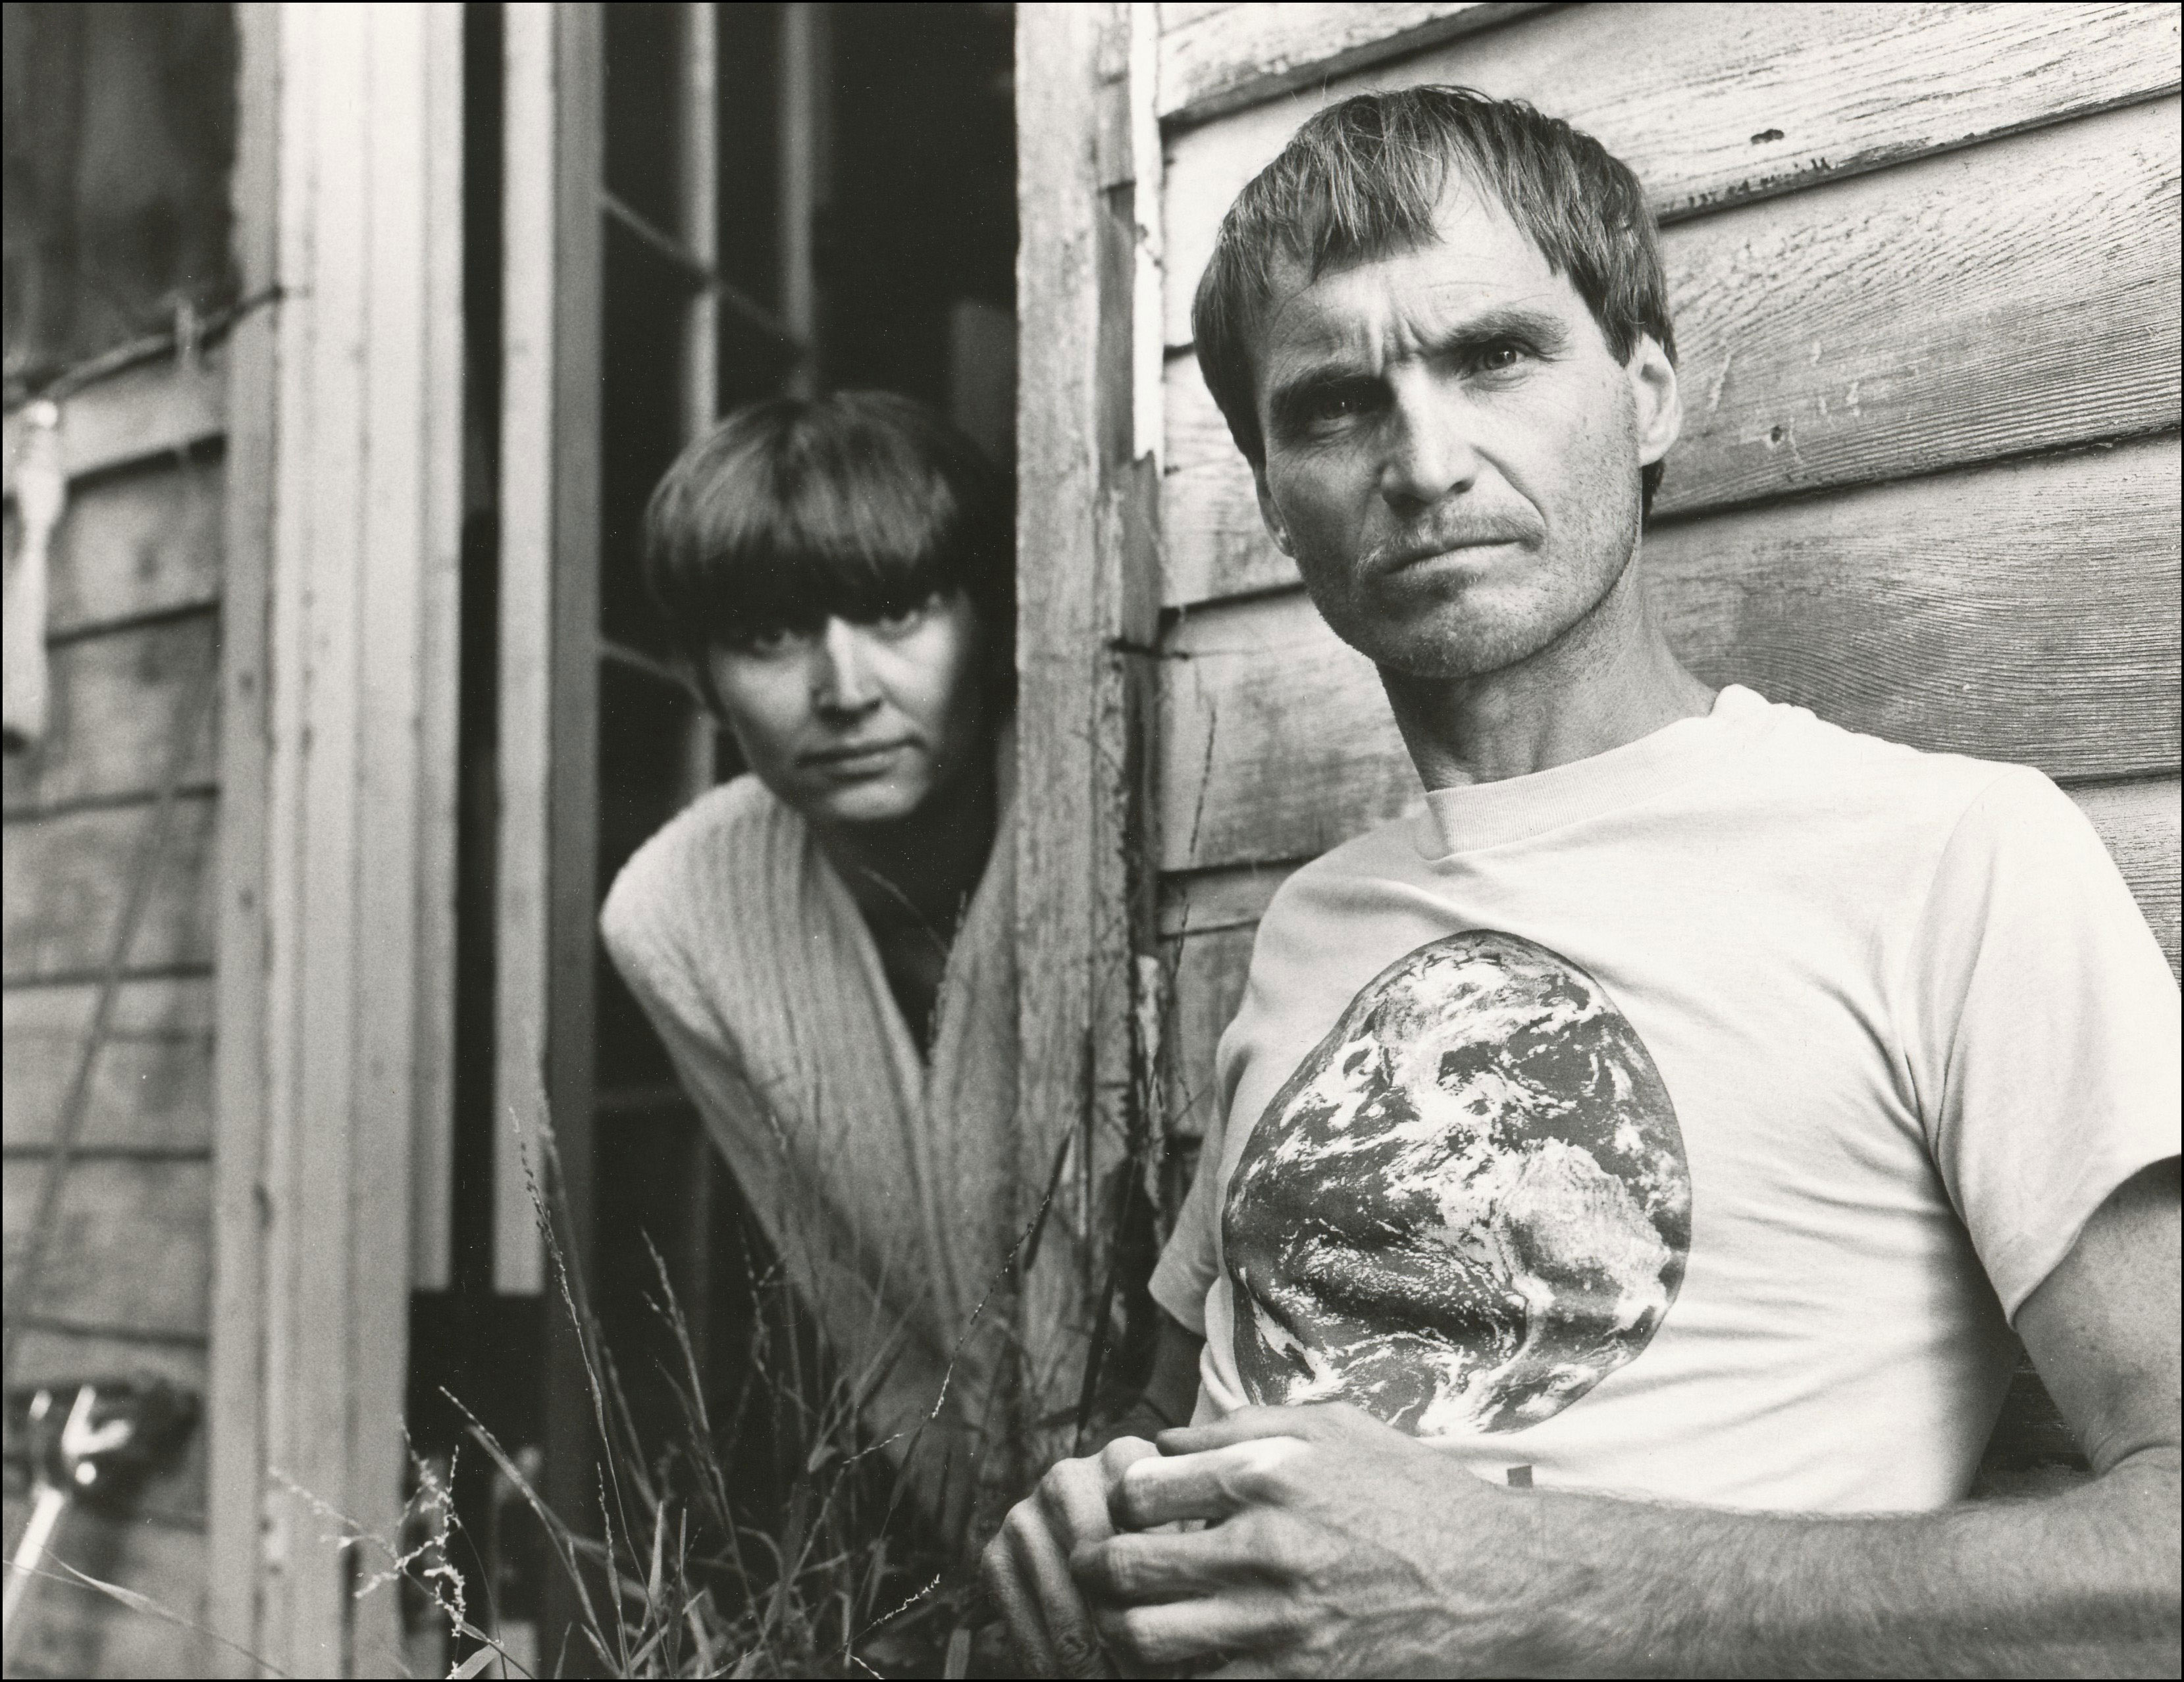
<point x="1074" y="1493"/>
<point x="1069" y="1645"/>
<point x="1210" y="1486"/>
<point x="1191" y="1631"/>
<point x="1170" y="1565"/>
<point x="1014" y="1593"/>
<point x="1317" y="1422"/>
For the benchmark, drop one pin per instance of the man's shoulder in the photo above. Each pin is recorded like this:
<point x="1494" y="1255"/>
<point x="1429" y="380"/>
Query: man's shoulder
<point x="1829" y="771"/>
<point x="693" y="865"/>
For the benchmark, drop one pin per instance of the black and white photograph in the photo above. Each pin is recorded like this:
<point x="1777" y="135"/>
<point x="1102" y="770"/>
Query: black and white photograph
<point x="1100" y="840"/>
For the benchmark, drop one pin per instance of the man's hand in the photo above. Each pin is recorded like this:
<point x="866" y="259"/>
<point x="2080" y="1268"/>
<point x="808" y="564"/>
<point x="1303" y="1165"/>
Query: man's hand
<point x="1335" y="1547"/>
<point x="1026" y="1564"/>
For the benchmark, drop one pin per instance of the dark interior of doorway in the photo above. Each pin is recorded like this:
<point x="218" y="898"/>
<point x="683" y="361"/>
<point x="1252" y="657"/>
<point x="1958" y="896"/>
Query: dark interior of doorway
<point x="907" y="212"/>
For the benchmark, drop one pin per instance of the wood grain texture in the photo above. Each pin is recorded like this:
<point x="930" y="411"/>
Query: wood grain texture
<point x="1209" y="921"/>
<point x="118" y="703"/>
<point x="1712" y="105"/>
<point x="2014" y="297"/>
<point x="2140" y="824"/>
<point x="2023" y="611"/>
<point x="71" y="1631"/>
<point x="143" y="541"/>
<point x="66" y="878"/>
<point x="132" y="1248"/>
<point x="52" y="1355"/>
<point x="1086" y="507"/>
<point x="237" y="1368"/>
<point x="1215" y="59"/>
<point x="150" y="1086"/>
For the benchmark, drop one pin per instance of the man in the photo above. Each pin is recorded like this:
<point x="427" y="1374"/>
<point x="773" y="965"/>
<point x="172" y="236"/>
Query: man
<point x="1632" y="1167"/>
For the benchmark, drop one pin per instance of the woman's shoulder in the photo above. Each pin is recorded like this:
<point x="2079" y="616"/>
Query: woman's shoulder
<point x="698" y="867"/>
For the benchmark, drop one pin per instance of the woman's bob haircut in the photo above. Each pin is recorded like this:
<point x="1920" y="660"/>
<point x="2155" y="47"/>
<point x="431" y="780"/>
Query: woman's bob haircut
<point x="857" y="506"/>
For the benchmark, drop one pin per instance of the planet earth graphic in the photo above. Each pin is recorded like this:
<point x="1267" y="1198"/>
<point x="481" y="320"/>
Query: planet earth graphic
<point x="1468" y="1206"/>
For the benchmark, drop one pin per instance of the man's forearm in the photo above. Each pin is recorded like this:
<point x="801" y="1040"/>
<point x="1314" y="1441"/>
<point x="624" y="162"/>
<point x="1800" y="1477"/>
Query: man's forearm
<point x="2083" y="1583"/>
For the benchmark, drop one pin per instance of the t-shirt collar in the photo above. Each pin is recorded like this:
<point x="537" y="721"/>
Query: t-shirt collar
<point x="1473" y="815"/>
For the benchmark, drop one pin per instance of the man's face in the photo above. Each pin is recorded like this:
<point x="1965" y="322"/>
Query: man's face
<point x="1452" y="451"/>
<point x="857" y="723"/>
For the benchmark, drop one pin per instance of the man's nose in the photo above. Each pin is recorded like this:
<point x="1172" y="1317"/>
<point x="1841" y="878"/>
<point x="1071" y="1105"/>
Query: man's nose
<point x="1431" y="452"/>
<point x="841" y="678"/>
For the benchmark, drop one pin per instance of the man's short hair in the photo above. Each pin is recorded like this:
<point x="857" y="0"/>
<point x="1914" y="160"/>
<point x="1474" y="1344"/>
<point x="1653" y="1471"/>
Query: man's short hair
<point x="1360" y="181"/>
<point x="856" y="506"/>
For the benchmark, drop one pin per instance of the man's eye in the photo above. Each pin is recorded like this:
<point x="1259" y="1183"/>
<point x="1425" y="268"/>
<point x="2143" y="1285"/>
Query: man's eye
<point x="1501" y="358"/>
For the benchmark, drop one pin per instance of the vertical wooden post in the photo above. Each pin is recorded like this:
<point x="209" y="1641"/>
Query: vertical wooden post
<point x="549" y="613"/>
<point x="440" y="661"/>
<point x="235" y="1407"/>
<point x="1087" y="599"/>
<point x="550" y="638"/>
<point x="341" y="518"/>
<point x="803" y="150"/>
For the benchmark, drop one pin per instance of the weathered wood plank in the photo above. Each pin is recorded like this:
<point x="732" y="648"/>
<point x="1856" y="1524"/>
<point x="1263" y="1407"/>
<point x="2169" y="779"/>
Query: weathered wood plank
<point x="1209" y="920"/>
<point x="1215" y="59"/>
<point x="67" y="876"/>
<point x="2140" y="823"/>
<point x="131" y="1249"/>
<point x="2022" y="611"/>
<point x="70" y="1630"/>
<point x="1088" y="485"/>
<point x="1206" y="987"/>
<point x="2016" y="297"/>
<point x="237" y="1367"/>
<point x="138" y="542"/>
<point x="162" y="409"/>
<point x="150" y="1086"/>
<point x="117" y="705"/>
<point x="1715" y="104"/>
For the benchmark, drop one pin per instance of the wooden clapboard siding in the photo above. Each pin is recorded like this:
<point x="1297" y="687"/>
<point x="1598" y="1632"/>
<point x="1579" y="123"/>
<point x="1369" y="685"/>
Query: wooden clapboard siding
<point x="150" y="1086"/>
<point x="67" y="875"/>
<point x="1209" y="920"/>
<point x="163" y="409"/>
<point x="138" y="542"/>
<point x="2022" y="610"/>
<point x="116" y="709"/>
<point x="74" y="1631"/>
<point x="2139" y="822"/>
<point x="2011" y="298"/>
<point x="132" y="1248"/>
<point x="1214" y="57"/>
<point x="1713" y="105"/>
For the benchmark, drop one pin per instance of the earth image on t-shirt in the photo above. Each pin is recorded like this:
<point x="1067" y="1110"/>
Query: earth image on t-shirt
<point x="1468" y="1206"/>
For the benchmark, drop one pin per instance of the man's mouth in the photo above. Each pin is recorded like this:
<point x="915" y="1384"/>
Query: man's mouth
<point x="1421" y="554"/>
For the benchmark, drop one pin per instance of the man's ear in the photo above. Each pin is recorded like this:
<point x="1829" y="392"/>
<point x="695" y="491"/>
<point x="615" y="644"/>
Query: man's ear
<point x="1276" y="528"/>
<point x="1659" y="399"/>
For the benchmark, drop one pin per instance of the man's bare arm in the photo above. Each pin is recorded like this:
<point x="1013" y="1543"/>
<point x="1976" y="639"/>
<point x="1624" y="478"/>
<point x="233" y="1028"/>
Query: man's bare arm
<point x="1342" y="1546"/>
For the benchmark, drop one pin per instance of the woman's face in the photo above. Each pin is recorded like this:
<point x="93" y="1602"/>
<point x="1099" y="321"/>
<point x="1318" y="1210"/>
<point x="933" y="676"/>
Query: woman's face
<point x="861" y="723"/>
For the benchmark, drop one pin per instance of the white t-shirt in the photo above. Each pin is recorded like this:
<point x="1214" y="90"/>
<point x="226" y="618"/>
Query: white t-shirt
<point x="1686" y="1120"/>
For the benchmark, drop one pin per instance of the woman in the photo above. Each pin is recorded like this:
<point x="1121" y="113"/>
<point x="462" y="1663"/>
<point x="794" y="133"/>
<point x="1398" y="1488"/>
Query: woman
<point x="825" y="945"/>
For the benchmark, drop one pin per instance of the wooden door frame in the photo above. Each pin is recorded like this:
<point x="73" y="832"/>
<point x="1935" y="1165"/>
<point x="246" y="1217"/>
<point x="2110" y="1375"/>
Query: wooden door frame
<point x="336" y="876"/>
<point x="1089" y="422"/>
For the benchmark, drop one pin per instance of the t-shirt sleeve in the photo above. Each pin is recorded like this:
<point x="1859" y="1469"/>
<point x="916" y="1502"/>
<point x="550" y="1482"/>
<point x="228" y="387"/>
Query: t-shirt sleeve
<point x="2046" y="1051"/>
<point x="1192" y="1260"/>
<point x="1187" y="1265"/>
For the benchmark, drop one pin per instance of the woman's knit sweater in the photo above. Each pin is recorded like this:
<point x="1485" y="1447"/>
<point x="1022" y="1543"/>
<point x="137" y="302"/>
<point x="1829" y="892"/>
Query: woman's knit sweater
<point x="888" y="1187"/>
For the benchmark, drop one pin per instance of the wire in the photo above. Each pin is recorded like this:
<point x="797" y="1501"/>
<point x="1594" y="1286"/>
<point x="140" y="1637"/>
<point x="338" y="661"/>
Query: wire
<point x="189" y="335"/>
